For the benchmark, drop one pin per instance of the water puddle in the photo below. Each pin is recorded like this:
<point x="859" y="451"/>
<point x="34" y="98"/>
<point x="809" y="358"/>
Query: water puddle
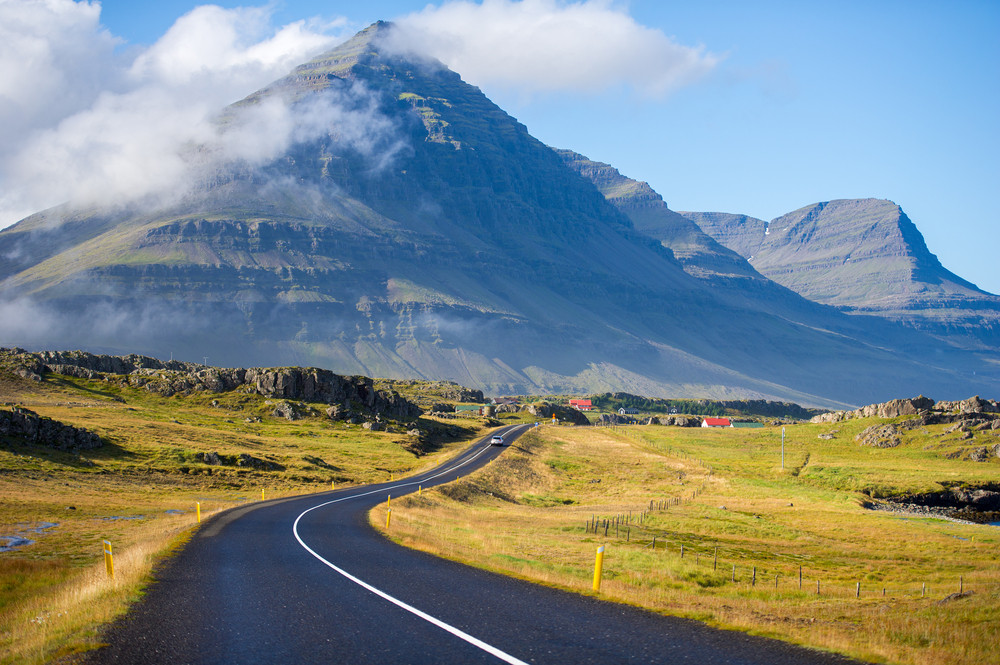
<point x="11" y="543"/>
<point x="115" y="518"/>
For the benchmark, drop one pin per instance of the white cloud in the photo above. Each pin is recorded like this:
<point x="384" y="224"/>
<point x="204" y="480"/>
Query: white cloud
<point x="539" y="46"/>
<point x="54" y="60"/>
<point x="80" y="123"/>
<point x="235" y="48"/>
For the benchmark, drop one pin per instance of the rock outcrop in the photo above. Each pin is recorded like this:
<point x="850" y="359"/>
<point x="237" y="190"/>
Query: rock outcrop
<point x="42" y="431"/>
<point x="308" y="384"/>
<point x="242" y="460"/>
<point x="880" y="436"/>
<point x="972" y="405"/>
<point x="562" y="413"/>
<point x="891" y="409"/>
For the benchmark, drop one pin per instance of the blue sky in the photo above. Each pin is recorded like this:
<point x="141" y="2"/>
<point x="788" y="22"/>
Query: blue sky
<point x="776" y="105"/>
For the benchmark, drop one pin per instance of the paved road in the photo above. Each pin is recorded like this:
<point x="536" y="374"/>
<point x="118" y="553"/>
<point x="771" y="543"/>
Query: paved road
<point x="306" y="580"/>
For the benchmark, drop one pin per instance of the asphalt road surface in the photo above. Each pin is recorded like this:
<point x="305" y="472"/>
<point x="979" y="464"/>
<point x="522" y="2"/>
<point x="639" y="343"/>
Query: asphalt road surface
<point x="307" y="580"/>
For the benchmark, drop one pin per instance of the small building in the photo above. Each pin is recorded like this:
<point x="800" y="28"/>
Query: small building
<point x="624" y="411"/>
<point x="747" y="425"/>
<point x="581" y="404"/>
<point x="504" y="401"/>
<point x="716" y="422"/>
<point x="469" y="409"/>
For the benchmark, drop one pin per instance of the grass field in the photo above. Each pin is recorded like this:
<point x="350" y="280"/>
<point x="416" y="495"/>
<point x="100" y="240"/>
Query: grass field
<point x="140" y="491"/>
<point x="747" y="528"/>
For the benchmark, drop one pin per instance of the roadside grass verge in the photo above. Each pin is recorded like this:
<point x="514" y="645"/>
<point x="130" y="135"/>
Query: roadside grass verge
<point x="724" y="498"/>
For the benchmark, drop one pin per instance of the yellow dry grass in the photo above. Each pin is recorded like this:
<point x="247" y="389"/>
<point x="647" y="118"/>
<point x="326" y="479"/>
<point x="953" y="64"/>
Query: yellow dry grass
<point x="724" y="495"/>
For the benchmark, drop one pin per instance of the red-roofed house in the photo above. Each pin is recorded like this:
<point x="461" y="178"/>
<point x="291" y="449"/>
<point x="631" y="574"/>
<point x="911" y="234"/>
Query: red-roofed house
<point x="581" y="404"/>
<point x="716" y="422"/>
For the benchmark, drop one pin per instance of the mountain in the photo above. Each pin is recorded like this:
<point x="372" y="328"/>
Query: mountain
<point x="862" y="256"/>
<point x="413" y="229"/>
<point x="698" y="252"/>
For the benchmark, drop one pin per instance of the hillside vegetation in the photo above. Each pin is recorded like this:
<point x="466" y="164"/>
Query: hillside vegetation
<point x="705" y="407"/>
<point x="710" y="525"/>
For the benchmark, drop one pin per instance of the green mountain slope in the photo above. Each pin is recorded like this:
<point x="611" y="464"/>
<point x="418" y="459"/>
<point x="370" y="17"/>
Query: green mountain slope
<point x="862" y="256"/>
<point x="422" y="232"/>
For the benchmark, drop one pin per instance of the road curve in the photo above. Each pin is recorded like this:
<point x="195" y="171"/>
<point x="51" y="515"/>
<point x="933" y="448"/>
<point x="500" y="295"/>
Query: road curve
<point x="307" y="580"/>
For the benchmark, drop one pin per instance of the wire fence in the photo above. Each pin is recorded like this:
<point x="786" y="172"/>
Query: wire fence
<point x="632" y="529"/>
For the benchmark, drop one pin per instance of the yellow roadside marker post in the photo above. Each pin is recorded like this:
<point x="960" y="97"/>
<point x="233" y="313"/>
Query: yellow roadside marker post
<point x="388" y="501"/>
<point x="419" y="488"/>
<point x="109" y="561"/>
<point x="598" y="566"/>
<point x="261" y="493"/>
<point x="333" y="485"/>
<point x="197" y="507"/>
<point x="388" y="516"/>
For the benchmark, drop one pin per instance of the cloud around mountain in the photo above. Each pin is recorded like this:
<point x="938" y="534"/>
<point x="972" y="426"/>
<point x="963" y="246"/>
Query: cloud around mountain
<point x="84" y="119"/>
<point x="545" y="46"/>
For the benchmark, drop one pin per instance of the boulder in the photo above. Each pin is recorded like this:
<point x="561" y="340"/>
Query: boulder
<point x="880" y="436"/>
<point x="249" y="461"/>
<point x="210" y="458"/>
<point x="285" y="410"/>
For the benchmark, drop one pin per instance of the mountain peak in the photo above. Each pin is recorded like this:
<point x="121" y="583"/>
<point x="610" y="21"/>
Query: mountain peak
<point x="361" y="48"/>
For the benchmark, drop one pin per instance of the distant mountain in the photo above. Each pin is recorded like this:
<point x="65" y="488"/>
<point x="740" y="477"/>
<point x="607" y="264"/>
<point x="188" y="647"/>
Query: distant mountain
<point x="418" y="231"/>
<point x="697" y="251"/>
<point x="862" y="256"/>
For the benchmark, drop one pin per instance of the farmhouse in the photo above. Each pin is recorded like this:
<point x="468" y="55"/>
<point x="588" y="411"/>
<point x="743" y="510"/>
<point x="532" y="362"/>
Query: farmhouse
<point x="627" y="411"/>
<point x="504" y="401"/>
<point x="581" y="404"/>
<point x="469" y="408"/>
<point x="716" y="422"/>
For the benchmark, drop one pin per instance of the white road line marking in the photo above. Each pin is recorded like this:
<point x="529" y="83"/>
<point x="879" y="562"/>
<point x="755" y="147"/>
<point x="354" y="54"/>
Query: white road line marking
<point x="492" y="650"/>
